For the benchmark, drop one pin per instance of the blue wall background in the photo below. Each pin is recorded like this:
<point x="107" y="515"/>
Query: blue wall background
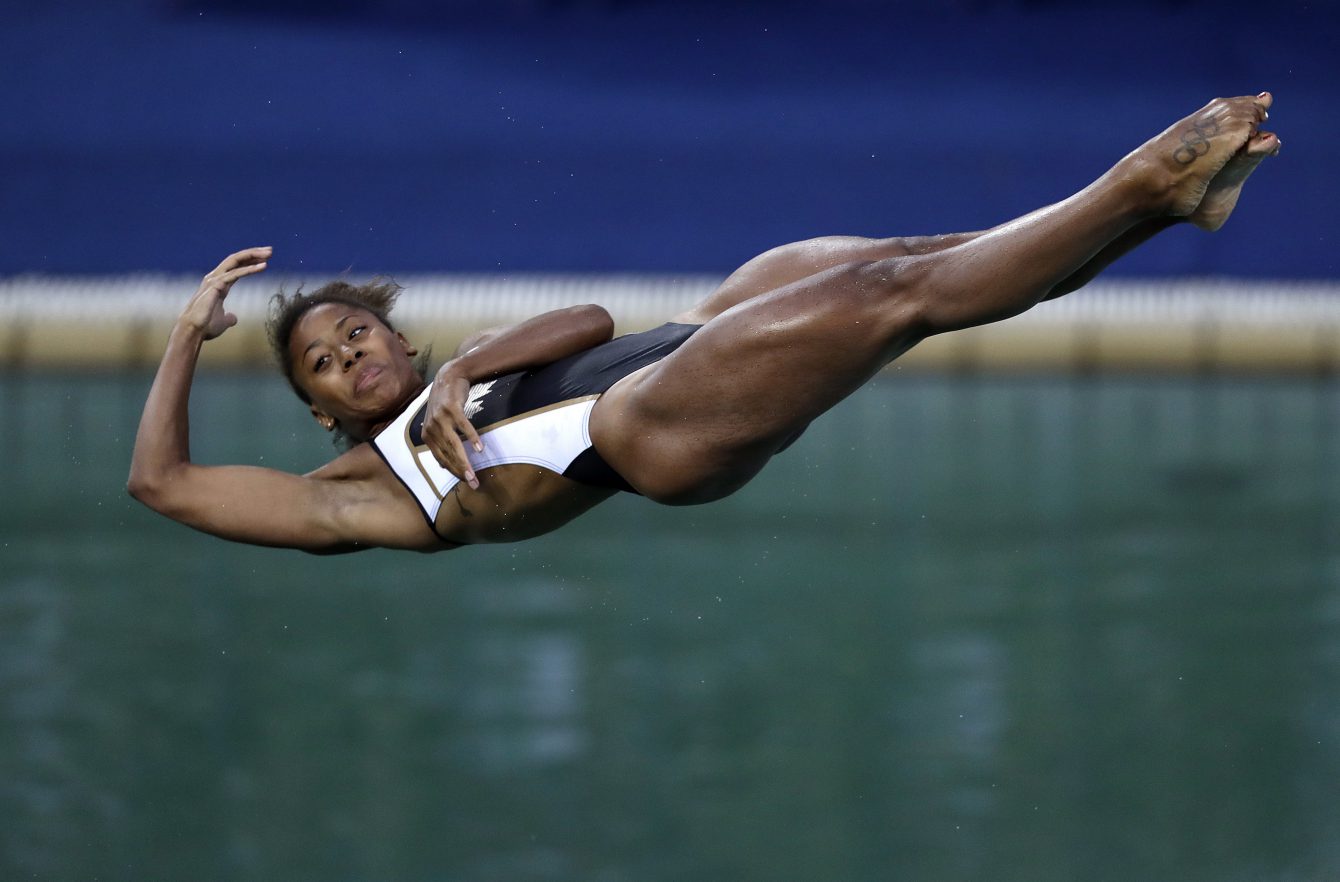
<point x="676" y="136"/>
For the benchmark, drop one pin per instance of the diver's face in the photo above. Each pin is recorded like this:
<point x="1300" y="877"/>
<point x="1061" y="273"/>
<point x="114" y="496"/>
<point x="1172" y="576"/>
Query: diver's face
<point x="355" y="369"/>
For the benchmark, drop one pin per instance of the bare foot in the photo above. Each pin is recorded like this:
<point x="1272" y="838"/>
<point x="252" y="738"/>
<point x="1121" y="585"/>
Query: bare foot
<point x="1222" y="194"/>
<point x="1179" y="163"/>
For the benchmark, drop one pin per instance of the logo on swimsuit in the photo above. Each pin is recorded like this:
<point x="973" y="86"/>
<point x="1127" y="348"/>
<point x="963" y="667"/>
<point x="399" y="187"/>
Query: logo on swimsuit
<point x="474" y="402"/>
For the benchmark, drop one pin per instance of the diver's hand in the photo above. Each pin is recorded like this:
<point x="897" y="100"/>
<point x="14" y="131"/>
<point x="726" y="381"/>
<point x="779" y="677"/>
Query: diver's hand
<point x="205" y="313"/>
<point x="445" y="426"/>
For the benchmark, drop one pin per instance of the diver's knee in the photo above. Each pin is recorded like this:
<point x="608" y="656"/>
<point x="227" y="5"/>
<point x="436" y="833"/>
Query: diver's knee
<point x="896" y="291"/>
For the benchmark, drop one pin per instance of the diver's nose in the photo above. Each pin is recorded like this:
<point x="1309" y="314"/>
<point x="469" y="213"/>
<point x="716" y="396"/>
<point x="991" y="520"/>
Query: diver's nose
<point x="352" y="356"/>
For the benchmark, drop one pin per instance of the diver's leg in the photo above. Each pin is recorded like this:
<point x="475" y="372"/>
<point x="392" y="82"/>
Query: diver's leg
<point x="785" y="264"/>
<point x="1218" y="203"/>
<point x="701" y="422"/>
<point x="1011" y="268"/>
<point x="780" y="266"/>
<point x="790" y="263"/>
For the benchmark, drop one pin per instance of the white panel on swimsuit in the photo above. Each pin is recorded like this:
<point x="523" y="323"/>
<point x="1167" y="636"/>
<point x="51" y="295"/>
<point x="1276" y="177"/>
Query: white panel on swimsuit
<point x="551" y="437"/>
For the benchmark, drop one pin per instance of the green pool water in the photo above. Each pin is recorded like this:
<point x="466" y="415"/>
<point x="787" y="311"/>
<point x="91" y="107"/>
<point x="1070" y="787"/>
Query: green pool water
<point x="967" y="628"/>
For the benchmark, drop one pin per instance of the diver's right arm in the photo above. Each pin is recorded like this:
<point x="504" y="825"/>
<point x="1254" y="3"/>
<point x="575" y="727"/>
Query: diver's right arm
<point x="336" y="508"/>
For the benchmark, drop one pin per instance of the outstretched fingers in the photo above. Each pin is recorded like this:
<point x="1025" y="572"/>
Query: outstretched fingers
<point x="205" y="310"/>
<point x="235" y="266"/>
<point x="224" y="280"/>
<point x="245" y="257"/>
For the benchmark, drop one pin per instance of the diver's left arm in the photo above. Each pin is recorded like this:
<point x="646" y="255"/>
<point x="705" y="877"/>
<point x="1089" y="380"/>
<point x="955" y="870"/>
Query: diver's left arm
<point x="533" y="343"/>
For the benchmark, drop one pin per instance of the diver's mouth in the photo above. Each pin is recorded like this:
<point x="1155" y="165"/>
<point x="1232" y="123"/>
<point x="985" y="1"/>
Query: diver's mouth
<point x="366" y="379"/>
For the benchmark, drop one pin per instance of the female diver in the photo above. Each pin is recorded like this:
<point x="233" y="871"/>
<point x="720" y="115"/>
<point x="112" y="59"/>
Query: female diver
<point x="529" y="426"/>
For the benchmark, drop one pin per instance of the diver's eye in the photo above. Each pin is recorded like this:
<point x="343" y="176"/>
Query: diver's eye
<point x="320" y="363"/>
<point x="356" y="331"/>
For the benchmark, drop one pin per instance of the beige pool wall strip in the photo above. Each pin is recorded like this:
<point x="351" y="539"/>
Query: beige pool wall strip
<point x="117" y="323"/>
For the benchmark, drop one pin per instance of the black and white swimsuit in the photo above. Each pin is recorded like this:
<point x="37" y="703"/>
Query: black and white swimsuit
<point x="539" y="417"/>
